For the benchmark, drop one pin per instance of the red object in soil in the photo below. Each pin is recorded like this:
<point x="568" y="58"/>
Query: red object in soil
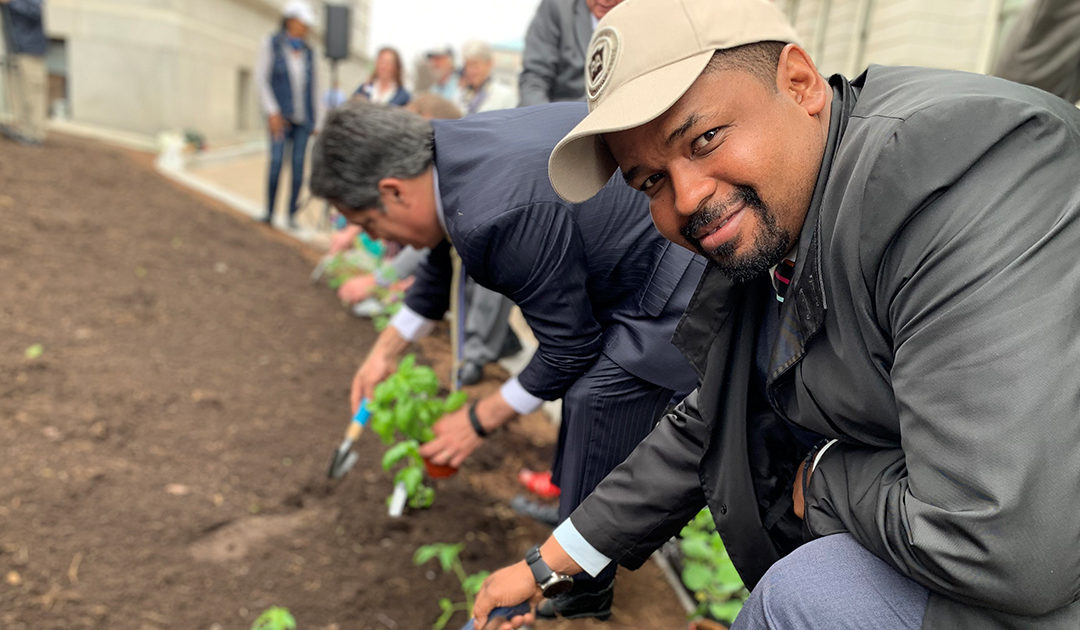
<point x="438" y="471"/>
<point x="538" y="483"/>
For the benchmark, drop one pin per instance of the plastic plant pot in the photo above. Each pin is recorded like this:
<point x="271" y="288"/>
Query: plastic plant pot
<point x="438" y="471"/>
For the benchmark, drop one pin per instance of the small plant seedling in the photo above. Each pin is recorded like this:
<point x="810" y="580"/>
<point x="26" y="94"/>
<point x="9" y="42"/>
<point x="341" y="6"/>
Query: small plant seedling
<point x="275" y="618"/>
<point x="407" y="404"/>
<point x="708" y="571"/>
<point x="34" y="351"/>
<point x="449" y="557"/>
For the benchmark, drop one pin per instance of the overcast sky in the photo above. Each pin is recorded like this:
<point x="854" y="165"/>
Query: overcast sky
<point x="413" y="26"/>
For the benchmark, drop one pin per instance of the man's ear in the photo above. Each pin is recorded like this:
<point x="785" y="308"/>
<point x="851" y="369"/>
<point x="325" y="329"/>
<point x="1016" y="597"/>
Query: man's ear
<point x="798" y="78"/>
<point x="391" y="191"/>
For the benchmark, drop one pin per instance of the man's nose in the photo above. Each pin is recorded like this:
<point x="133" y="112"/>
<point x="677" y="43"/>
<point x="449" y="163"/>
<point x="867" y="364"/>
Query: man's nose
<point x="692" y="187"/>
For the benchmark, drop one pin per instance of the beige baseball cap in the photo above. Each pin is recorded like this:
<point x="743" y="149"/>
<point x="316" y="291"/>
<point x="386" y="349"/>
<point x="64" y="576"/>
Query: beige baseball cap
<point x="642" y="58"/>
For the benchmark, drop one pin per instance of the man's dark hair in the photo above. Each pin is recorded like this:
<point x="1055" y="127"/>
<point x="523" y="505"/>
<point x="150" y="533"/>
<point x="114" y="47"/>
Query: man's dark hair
<point x="362" y="144"/>
<point x="759" y="59"/>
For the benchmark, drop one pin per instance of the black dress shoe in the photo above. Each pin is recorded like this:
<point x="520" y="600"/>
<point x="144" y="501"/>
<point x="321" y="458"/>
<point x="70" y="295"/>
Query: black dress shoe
<point x="575" y="605"/>
<point x="546" y="514"/>
<point x="470" y="373"/>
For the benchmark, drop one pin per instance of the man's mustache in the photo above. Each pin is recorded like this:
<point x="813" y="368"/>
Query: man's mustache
<point x="705" y="215"/>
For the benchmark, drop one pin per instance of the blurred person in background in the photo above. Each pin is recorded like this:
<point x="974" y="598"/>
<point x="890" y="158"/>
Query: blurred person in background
<point x="385" y="87"/>
<point x="479" y="91"/>
<point x="553" y="65"/>
<point x="1043" y="48"/>
<point x="24" y="24"/>
<point x="488" y="336"/>
<point x="444" y="75"/>
<point x="286" y="79"/>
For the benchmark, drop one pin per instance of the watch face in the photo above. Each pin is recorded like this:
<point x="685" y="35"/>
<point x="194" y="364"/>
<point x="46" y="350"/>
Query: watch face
<point x="560" y="585"/>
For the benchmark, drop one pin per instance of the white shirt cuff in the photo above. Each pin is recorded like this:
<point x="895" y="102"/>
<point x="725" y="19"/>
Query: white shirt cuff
<point x="579" y="549"/>
<point x="522" y="401"/>
<point x="410" y="325"/>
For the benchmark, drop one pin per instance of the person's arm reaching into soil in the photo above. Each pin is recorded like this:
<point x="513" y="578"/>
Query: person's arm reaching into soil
<point x="515" y="584"/>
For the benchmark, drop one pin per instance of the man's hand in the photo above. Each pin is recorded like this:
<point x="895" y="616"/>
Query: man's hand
<point x="507" y="587"/>
<point x="344" y="239"/>
<point x="376" y="367"/>
<point x="455" y="440"/>
<point x="277" y="126"/>
<point x="357" y="289"/>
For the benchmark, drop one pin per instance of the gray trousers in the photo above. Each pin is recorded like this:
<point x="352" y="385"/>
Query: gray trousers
<point x="833" y="583"/>
<point x="487" y="323"/>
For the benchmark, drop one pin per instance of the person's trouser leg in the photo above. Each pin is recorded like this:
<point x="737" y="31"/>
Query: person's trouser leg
<point x="300" y="134"/>
<point x="277" y="156"/>
<point x="30" y="96"/>
<point x="487" y="315"/>
<point x="606" y="413"/>
<point x="833" y="583"/>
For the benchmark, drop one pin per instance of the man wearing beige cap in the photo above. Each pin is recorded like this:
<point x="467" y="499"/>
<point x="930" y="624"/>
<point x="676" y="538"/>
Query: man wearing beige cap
<point x="886" y="430"/>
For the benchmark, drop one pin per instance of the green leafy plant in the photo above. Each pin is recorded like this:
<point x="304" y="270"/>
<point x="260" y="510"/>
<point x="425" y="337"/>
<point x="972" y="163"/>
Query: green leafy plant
<point x="403" y="408"/>
<point x="707" y="570"/>
<point x="448" y="555"/>
<point x="347" y="265"/>
<point x="275" y="618"/>
<point x="34" y="351"/>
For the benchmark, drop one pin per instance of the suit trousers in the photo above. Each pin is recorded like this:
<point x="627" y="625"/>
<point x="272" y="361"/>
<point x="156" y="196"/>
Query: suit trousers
<point x="833" y="583"/>
<point x="605" y="414"/>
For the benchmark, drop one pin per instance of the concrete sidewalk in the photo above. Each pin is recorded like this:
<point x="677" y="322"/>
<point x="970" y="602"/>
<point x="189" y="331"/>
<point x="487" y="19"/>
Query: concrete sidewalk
<point x="237" y="176"/>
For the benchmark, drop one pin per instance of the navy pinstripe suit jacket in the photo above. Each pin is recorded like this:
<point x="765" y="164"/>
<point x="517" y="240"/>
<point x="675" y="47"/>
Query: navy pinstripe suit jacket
<point x="589" y="278"/>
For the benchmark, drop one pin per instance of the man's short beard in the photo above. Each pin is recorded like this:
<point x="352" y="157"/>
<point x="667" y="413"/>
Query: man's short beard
<point x="769" y="247"/>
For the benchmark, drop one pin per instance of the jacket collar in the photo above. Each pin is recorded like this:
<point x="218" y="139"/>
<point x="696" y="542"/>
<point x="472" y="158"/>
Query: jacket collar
<point x="803" y="312"/>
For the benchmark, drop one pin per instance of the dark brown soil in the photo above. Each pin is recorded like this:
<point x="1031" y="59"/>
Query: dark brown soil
<point x="164" y="458"/>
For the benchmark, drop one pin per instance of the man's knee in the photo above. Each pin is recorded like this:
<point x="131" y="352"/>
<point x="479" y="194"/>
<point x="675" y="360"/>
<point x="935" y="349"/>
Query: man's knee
<point x="833" y="582"/>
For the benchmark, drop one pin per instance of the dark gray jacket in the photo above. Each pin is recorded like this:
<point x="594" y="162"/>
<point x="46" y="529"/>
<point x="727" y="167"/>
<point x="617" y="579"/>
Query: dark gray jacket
<point x="27" y="27"/>
<point x="553" y="64"/>
<point x="932" y="327"/>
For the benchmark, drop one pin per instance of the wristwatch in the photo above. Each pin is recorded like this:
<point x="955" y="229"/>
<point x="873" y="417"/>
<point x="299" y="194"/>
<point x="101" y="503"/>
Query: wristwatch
<point x="550" y="582"/>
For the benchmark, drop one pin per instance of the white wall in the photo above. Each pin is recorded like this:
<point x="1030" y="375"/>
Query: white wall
<point x="146" y="66"/>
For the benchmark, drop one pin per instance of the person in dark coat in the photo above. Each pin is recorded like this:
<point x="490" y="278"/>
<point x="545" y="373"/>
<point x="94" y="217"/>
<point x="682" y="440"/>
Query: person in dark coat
<point x="886" y="427"/>
<point x="600" y="288"/>
<point x="1043" y="48"/>
<point x="553" y="62"/>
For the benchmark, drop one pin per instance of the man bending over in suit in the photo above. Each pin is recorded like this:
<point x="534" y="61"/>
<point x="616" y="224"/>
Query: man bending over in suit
<point x="599" y="286"/>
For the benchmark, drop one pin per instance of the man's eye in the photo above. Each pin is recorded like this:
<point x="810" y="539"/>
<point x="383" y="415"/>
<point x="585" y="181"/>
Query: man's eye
<point x="650" y="181"/>
<point x="702" y="141"/>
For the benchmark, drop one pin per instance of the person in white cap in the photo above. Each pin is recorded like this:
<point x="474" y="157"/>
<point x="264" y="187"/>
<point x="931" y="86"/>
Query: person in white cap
<point x="286" y="80"/>
<point x="886" y="430"/>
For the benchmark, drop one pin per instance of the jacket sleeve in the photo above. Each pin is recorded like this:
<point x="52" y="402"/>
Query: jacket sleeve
<point x="977" y="290"/>
<point x="1043" y="48"/>
<point x="429" y="295"/>
<point x="539" y="63"/>
<point x="649" y="497"/>
<point x="535" y="256"/>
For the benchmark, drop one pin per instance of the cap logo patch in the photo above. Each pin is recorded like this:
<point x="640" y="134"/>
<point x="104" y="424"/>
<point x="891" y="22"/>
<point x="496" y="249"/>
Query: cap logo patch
<point x="603" y="53"/>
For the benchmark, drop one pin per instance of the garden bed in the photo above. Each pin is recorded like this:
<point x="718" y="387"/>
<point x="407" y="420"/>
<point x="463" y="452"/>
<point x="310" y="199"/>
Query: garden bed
<point x="165" y="447"/>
